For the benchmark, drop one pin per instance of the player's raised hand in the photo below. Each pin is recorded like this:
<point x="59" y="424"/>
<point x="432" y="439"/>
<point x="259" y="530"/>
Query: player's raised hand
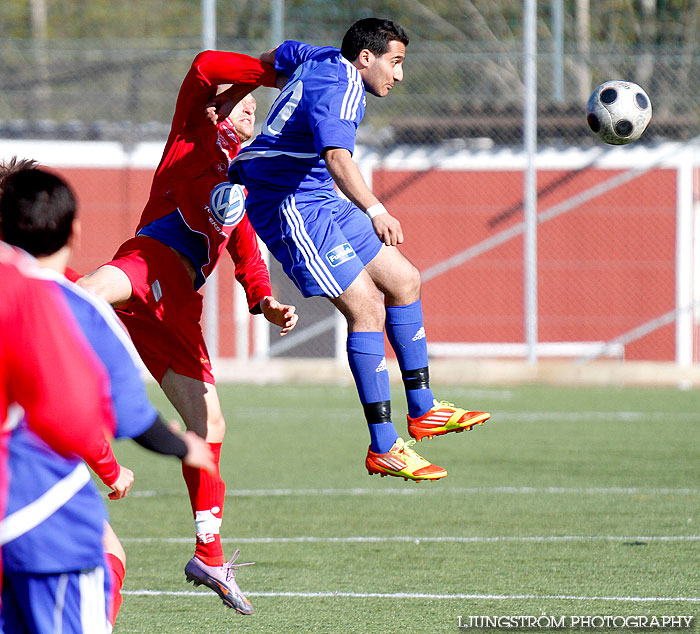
<point x="122" y="485"/>
<point x="388" y="229"/>
<point x="222" y="103"/>
<point x="198" y="455"/>
<point x="281" y="315"/>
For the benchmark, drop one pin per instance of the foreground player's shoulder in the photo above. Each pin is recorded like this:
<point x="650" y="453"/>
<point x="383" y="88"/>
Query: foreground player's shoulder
<point x="23" y="284"/>
<point x="97" y="319"/>
<point x="17" y="262"/>
<point x="334" y="72"/>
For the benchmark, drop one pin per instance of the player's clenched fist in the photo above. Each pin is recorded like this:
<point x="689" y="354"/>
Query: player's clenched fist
<point x="388" y="229"/>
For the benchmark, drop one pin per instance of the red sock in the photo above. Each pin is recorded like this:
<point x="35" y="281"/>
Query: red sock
<point x="116" y="573"/>
<point x="207" y="500"/>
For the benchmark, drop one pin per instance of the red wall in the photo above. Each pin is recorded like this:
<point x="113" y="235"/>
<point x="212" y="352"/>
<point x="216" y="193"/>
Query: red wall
<point x="604" y="268"/>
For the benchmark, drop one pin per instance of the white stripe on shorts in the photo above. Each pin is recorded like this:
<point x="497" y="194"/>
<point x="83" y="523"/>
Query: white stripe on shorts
<point x="93" y="613"/>
<point x="59" y="604"/>
<point x="314" y="262"/>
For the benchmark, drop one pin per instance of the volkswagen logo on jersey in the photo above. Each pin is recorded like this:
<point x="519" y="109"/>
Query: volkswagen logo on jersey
<point x="227" y="204"/>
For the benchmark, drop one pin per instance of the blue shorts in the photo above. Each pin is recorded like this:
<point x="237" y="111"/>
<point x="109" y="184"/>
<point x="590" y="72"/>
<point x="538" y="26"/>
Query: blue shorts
<point x="67" y="603"/>
<point x="322" y="241"/>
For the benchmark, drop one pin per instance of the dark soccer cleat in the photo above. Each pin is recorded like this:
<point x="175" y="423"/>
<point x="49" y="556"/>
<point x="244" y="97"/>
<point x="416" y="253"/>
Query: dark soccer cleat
<point x="222" y="580"/>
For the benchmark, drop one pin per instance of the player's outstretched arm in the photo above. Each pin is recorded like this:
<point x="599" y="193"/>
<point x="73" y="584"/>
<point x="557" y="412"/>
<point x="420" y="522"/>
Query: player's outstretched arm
<point x="347" y="176"/>
<point x="116" y="477"/>
<point x="281" y="315"/>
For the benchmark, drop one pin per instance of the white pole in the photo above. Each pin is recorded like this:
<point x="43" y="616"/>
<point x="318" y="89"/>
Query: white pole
<point x="241" y="322"/>
<point x="530" y="184"/>
<point x="696" y="257"/>
<point x="277" y="23"/>
<point x="684" y="260"/>
<point x="558" y="50"/>
<point x="261" y="327"/>
<point x="208" y="24"/>
<point x="211" y="291"/>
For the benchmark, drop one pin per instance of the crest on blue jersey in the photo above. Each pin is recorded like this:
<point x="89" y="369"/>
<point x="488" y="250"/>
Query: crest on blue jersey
<point x="227" y="204"/>
<point x="341" y="253"/>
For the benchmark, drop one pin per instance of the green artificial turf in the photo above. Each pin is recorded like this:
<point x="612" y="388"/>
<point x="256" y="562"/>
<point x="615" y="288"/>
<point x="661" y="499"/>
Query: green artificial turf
<point x="569" y="501"/>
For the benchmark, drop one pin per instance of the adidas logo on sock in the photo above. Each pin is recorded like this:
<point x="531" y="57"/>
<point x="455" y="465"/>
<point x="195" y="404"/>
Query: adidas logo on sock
<point x="420" y="334"/>
<point x="382" y="366"/>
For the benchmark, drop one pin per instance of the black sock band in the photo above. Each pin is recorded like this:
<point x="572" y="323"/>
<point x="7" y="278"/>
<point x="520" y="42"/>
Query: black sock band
<point x="416" y="379"/>
<point x="379" y="412"/>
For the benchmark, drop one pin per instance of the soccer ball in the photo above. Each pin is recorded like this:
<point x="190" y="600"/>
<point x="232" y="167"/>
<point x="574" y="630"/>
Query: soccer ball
<point x="618" y="112"/>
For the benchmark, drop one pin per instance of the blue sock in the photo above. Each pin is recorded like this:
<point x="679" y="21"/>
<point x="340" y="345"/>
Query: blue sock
<point x="383" y="436"/>
<point x="404" y="328"/>
<point x="368" y="366"/>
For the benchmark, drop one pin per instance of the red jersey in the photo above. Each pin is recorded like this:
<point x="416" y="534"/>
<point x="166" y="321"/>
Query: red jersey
<point x="194" y="162"/>
<point x="47" y="367"/>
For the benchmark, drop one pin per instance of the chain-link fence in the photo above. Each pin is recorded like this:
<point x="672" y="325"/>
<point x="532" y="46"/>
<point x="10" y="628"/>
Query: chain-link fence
<point x="616" y="237"/>
<point x="463" y="73"/>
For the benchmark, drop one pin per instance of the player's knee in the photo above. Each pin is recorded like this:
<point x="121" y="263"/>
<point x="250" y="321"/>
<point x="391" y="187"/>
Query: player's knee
<point x="112" y="545"/>
<point x="413" y="282"/>
<point x="406" y="288"/>
<point x="370" y="313"/>
<point x="362" y="304"/>
<point x="88" y="283"/>
<point x="216" y="428"/>
<point x="109" y="283"/>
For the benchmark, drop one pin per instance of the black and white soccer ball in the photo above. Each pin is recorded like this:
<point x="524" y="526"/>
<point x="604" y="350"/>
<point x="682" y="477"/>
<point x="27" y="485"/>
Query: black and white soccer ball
<point x="618" y="112"/>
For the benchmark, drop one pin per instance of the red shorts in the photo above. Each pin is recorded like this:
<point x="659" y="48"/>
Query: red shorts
<point x="163" y="316"/>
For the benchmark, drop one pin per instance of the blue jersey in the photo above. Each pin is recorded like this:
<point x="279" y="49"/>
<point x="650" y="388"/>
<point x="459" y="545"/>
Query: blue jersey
<point x="320" y="107"/>
<point x="55" y="516"/>
<point x="133" y="411"/>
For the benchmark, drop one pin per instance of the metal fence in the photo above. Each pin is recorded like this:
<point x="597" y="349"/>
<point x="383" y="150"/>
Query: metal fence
<point x="444" y="151"/>
<point x="464" y="75"/>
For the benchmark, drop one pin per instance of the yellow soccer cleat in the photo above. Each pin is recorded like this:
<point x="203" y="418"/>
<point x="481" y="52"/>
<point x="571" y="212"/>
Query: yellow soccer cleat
<point x="401" y="461"/>
<point x="442" y="418"/>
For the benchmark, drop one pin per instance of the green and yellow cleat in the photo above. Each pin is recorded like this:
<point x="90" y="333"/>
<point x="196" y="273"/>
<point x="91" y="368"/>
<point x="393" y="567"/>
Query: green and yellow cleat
<point x="402" y="462"/>
<point x="442" y="418"/>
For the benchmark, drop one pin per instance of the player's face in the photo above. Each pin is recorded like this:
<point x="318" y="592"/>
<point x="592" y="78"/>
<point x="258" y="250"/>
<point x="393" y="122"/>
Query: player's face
<point x="243" y="117"/>
<point x="384" y="71"/>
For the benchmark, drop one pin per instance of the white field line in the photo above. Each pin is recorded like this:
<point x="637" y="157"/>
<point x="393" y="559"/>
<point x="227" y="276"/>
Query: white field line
<point x="624" y="416"/>
<point x="416" y="595"/>
<point x="498" y="415"/>
<point x="310" y="539"/>
<point x="234" y="493"/>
